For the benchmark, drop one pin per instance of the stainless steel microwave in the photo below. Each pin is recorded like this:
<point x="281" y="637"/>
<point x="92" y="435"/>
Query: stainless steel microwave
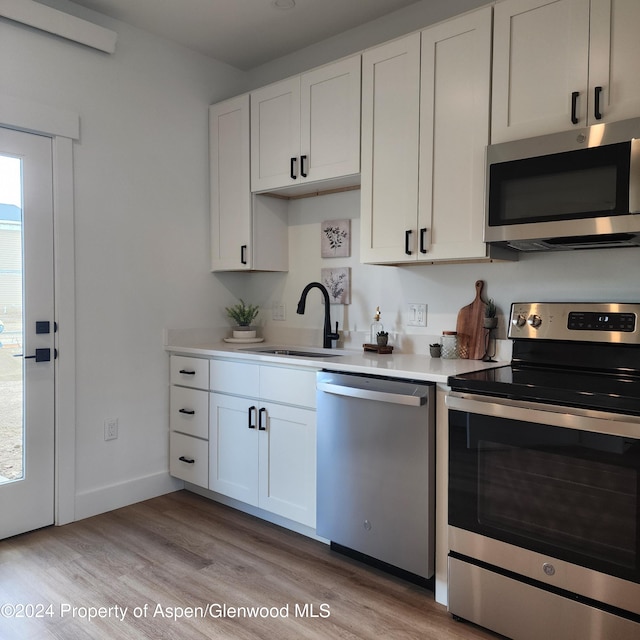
<point x="578" y="189"/>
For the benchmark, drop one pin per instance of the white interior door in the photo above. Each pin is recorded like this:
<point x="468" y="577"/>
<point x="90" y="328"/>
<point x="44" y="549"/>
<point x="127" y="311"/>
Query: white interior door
<point x="27" y="336"/>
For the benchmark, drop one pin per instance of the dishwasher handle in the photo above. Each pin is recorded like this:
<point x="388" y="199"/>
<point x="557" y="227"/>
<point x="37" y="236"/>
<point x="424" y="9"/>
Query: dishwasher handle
<point x="370" y="394"/>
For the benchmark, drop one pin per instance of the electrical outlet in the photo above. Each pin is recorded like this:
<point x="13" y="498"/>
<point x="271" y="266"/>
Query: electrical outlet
<point x="417" y="315"/>
<point x="278" y="311"/>
<point x="111" y="428"/>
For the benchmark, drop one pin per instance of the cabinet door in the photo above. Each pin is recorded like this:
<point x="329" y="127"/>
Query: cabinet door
<point x="540" y="58"/>
<point x="330" y="121"/>
<point x="288" y="462"/>
<point x="275" y="135"/>
<point x="454" y="132"/>
<point x="613" y="60"/>
<point x="230" y="188"/>
<point x="233" y="447"/>
<point x="390" y="134"/>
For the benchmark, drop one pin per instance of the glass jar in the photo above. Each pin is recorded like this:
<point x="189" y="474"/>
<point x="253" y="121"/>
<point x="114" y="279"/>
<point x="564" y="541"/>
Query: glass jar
<point x="449" y="344"/>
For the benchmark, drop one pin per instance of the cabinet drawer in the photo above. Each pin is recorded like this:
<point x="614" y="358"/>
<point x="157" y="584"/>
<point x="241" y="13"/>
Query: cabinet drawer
<point x="291" y="386"/>
<point x="190" y="372"/>
<point x="238" y="378"/>
<point x="189" y="411"/>
<point x="189" y="459"/>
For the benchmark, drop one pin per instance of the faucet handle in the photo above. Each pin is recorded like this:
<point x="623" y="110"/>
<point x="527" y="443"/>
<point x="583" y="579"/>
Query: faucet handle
<point x="334" y="336"/>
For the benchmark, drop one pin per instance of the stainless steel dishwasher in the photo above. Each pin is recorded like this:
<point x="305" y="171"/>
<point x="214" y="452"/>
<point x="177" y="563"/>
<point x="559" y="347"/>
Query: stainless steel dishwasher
<point x="376" y="475"/>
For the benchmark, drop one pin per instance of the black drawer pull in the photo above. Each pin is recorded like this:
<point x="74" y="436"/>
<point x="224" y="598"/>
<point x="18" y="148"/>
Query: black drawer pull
<point x="185" y="372"/>
<point x="252" y="424"/>
<point x="262" y="427"/>
<point x="189" y="412"/>
<point x="187" y="460"/>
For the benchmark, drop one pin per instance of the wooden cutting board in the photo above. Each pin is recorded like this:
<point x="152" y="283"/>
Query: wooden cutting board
<point x="470" y="327"/>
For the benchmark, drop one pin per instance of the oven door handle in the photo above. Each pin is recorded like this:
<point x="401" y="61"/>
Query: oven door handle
<point x="546" y="414"/>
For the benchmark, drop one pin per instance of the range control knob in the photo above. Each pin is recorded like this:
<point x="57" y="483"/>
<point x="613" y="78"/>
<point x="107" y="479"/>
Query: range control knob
<point x="534" y="320"/>
<point x="519" y="320"/>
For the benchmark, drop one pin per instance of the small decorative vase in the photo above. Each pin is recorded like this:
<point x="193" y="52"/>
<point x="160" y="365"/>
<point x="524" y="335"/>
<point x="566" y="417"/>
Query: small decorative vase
<point x="382" y="340"/>
<point x="490" y="323"/>
<point x="435" y="350"/>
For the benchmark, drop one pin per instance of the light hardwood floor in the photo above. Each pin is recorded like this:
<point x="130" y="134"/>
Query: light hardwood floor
<point x="166" y="557"/>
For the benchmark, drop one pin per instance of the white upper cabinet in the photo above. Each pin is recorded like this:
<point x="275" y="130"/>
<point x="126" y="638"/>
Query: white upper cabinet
<point x="307" y="129"/>
<point x="390" y="139"/>
<point x="425" y="127"/>
<point x="247" y="232"/>
<point x="614" y="56"/>
<point x="454" y="132"/>
<point x="560" y="64"/>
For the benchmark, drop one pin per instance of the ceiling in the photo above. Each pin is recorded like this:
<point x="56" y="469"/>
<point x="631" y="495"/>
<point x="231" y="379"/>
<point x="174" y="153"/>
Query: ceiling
<point x="245" y="33"/>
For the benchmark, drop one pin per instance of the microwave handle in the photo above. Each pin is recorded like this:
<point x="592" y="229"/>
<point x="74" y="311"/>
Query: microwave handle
<point x="574" y="107"/>
<point x="596" y="103"/>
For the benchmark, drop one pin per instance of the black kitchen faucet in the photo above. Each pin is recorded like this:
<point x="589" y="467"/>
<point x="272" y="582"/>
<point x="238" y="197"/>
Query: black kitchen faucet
<point x="327" y="335"/>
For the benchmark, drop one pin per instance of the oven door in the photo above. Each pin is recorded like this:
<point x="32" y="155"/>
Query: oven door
<point x="563" y="484"/>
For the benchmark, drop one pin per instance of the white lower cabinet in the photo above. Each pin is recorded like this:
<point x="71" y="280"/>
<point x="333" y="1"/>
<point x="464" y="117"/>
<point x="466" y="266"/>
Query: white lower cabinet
<point x="189" y="419"/>
<point x="263" y="452"/>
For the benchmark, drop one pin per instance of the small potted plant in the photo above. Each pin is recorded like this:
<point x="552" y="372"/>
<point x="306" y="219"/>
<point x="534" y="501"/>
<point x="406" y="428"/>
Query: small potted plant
<point x="490" y="310"/>
<point x="382" y="337"/>
<point x="243" y="314"/>
<point x="435" y="350"/>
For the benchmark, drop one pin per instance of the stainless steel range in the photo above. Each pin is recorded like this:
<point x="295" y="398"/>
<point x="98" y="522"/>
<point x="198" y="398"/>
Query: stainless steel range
<point x="544" y="478"/>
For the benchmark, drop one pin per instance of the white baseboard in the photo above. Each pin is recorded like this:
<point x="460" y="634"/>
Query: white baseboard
<point x="96" y="501"/>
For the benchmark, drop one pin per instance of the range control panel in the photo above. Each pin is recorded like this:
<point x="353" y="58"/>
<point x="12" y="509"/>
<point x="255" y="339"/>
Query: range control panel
<point x="592" y="321"/>
<point x="586" y="322"/>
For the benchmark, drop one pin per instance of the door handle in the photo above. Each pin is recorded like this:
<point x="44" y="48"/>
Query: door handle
<point x="407" y="239"/>
<point x="292" y="168"/>
<point x="574" y="107"/>
<point x="596" y="109"/>
<point x="423" y="240"/>
<point x="243" y="254"/>
<point x="41" y="355"/>
<point x="262" y="412"/>
<point x="251" y="423"/>
<point x="302" y="172"/>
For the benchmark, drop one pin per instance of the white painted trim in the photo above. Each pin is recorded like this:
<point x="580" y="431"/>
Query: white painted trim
<point x="62" y="127"/>
<point x="33" y="117"/>
<point x="65" y="342"/>
<point x="39" y="16"/>
<point x="115" y="496"/>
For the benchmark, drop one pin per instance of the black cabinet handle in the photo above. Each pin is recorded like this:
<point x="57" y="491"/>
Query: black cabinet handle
<point x="292" y="168"/>
<point x="252" y="424"/>
<point x="302" y="173"/>
<point x="186" y="372"/>
<point x="187" y="460"/>
<point x="574" y="107"/>
<point x="423" y="240"/>
<point x="596" y="105"/>
<point x="407" y="239"/>
<point x="262" y="427"/>
<point x="188" y="412"/>
<point x="243" y="254"/>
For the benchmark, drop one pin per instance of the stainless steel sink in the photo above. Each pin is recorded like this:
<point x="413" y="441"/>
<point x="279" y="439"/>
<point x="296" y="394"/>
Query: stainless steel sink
<point x="283" y="351"/>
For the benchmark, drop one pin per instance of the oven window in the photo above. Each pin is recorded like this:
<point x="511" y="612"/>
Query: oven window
<point x="571" y="494"/>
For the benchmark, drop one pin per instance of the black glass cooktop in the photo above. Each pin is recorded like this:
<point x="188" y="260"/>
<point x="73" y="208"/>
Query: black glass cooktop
<point x="614" y="392"/>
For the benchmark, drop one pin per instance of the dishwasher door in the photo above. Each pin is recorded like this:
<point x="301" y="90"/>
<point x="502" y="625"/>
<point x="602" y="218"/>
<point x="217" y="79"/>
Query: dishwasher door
<point x="376" y="468"/>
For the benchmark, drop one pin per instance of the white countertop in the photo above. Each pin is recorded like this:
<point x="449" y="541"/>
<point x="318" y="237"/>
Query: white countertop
<point x="399" y="365"/>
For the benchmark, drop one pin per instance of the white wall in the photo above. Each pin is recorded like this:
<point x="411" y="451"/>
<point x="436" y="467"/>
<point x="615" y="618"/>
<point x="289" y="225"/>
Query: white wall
<point x="141" y="232"/>
<point x="593" y="275"/>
